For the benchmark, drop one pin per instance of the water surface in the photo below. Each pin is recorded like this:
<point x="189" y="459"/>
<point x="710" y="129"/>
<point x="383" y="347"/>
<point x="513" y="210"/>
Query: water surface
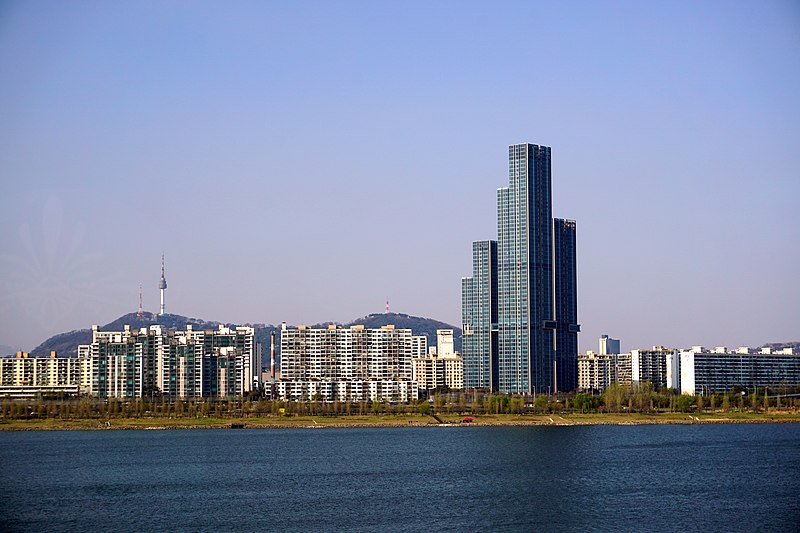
<point x="738" y="477"/>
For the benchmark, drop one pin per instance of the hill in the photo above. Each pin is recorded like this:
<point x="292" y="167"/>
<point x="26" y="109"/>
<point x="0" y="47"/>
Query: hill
<point x="66" y="344"/>
<point x="418" y="325"/>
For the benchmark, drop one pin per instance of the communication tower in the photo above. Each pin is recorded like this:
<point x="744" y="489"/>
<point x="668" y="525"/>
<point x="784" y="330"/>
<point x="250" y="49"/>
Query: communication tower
<point x="162" y="285"/>
<point x="140" y="312"/>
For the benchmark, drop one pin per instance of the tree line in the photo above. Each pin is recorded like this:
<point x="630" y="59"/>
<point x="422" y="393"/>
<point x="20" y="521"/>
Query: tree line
<point x="642" y="398"/>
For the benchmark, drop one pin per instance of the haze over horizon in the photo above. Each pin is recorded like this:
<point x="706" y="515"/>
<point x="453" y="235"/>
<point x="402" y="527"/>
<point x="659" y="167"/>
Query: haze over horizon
<point x="302" y="162"/>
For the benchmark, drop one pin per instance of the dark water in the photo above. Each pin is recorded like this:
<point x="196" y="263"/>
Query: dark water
<point x="603" y="478"/>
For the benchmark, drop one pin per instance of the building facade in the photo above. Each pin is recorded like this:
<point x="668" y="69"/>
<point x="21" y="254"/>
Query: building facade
<point x="525" y="272"/>
<point x="419" y="345"/>
<point x="445" y="345"/>
<point x="717" y="371"/>
<point x="178" y="364"/>
<point x="26" y="376"/>
<point x="536" y="288"/>
<point x="597" y="371"/>
<point x="658" y="366"/>
<point x="335" y="362"/>
<point x="695" y="371"/>
<point x="652" y="365"/>
<point x="442" y="367"/>
<point x="608" y="345"/>
<point x="347" y="391"/>
<point x="566" y="304"/>
<point x="479" y="318"/>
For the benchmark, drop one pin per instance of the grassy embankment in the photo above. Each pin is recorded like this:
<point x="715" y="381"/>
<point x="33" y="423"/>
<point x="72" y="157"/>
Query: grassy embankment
<point x="398" y="421"/>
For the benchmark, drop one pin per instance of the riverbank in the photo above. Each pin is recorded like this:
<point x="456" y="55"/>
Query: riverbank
<point x="155" y="423"/>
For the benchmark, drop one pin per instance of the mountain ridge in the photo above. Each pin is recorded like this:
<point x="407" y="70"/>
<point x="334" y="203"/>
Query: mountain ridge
<point x="66" y="344"/>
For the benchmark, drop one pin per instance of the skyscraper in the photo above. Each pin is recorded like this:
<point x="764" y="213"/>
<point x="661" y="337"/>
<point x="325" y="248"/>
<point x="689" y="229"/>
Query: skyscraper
<point x="479" y="318"/>
<point x="535" y="291"/>
<point x="565" y="291"/>
<point x="525" y="272"/>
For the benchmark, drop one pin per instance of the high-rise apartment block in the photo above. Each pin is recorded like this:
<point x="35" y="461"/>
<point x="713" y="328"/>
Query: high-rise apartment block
<point x="419" y="345"/>
<point x="608" y="345"/>
<point x="705" y="371"/>
<point x="565" y="290"/>
<point x="479" y="317"/>
<point x="26" y="376"/>
<point x="596" y="372"/>
<point x="347" y="364"/>
<point x="656" y="366"/>
<point x="695" y="371"/>
<point x="529" y="276"/>
<point x="445" y="347"/>
<point x="176" y="364"/>
<point x="442" y="367"/>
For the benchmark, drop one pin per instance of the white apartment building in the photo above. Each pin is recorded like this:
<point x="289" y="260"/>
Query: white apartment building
<point x="445" y="343"/>
<point x="659" y="366"/>
<point x="348" y="390"/>
<point x="419" y="346"/>
<point x="442" y="366"/>
<point x="597" y="371"/>
<point x="608" y="345"/>
<point x="653" y="365"/>
<point x="339" y="363"/>
<point x="704" y="371"/>
<point x="26" y="376"/>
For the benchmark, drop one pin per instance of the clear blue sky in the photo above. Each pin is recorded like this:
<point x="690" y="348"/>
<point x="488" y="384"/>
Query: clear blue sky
<point x="302" y="161"/>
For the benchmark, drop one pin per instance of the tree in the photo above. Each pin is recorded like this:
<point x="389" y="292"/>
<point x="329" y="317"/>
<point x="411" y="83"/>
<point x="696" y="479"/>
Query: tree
<point x="178" y="407"/>
<point x="516" y="405"/>
<point x="643" y="395"/>
<point x="438" y="403"/>
<point x="540" y="405"/>
<point x="615" y="396"/>
<point x="424" y="408"/>
<point x="583" y="402"/>
<point x="754" y="401"/>
<point x="684" y="403"/>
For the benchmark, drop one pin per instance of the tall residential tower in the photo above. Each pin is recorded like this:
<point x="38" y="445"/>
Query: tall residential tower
<point x="479" y="318"/>
<point x="565" y="298"/>
<point x="531" y="343"/>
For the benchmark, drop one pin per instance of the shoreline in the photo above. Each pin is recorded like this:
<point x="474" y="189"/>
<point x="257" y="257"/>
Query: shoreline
<point x="396" y="421"/>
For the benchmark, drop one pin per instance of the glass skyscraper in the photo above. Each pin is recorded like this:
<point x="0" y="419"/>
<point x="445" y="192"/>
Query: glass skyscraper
<point x="535" y="292"/>
<point x="479" y="317"/>
<point x="565" y="289"/>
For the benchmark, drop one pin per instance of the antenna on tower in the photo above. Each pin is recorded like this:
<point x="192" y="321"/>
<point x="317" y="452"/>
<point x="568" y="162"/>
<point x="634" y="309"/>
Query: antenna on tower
<point x="140" y="312"/>
<point x="387" y="305"/>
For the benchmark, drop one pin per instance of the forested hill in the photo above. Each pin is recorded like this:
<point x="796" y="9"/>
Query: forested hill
<point x="418" y="325"/>
<point x="66" y="344"/>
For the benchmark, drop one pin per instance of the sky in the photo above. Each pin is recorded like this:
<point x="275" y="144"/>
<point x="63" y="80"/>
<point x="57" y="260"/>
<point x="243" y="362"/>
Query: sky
<point x="303" y="161"/>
